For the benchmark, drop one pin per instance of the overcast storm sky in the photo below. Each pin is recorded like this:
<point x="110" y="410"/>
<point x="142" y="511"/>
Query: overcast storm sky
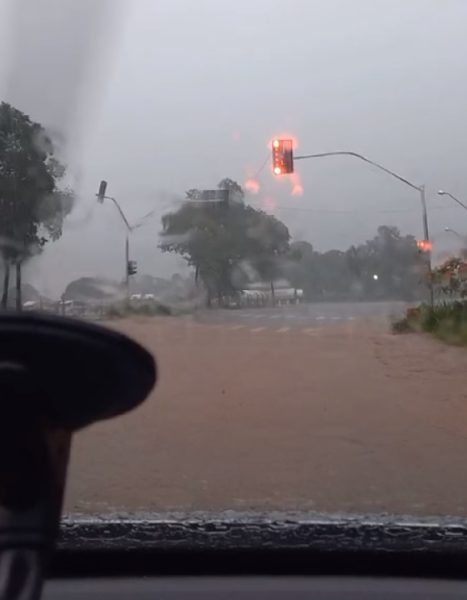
<point x="158" y="96"/>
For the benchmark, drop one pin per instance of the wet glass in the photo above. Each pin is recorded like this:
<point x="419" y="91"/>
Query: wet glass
<point x="271" y="198"/>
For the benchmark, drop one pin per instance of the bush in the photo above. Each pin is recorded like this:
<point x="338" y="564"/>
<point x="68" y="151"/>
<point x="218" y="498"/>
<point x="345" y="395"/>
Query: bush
<point x="411" y="321"/>
<point x="121" y="310"/>
<point x="446" y="321"/>
<point x="151" y="310"/>
<point x="401" y="326"/>
<point x="429" y="318"/>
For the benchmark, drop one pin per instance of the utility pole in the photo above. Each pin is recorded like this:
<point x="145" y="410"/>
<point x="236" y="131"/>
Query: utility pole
<point x="427" y="237"/>
<point x="130" y="266"/>
<point x="127" y="265"/>
<point x="420" y="189"/>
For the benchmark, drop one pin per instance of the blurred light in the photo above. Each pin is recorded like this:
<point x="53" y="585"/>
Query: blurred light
<point x="268" y="204"/>
<point x="297" y="187"/>
<point x="276" y="143"/>
<point x="424" y="245"/>
<point x="297" y="190"/>
<point x="252" y="186"/>
<point x="375" y="277"/>
<point x="277" y="170"/>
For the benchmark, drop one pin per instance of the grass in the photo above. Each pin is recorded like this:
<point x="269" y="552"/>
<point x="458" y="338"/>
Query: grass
<point x="447" y="322"/>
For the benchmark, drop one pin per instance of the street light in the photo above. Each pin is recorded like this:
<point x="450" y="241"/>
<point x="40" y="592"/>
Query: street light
<point x="444" y="193"/>
<point x="420" y="189"/>
<point x="456" y="233"/>
<point x="130" y="266"/>
<point x="100" y="198"/>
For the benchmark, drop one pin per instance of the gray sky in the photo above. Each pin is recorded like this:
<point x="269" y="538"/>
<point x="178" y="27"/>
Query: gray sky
<point x="158" y="96"/>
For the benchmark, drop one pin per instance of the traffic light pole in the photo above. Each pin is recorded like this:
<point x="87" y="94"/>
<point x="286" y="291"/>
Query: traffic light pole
<point x="127" y="262"/>
<point x="130" y="266"/>
<point x="101" y="197"/>
<point x="127" y="245"/>
<point x="420" y="189"/>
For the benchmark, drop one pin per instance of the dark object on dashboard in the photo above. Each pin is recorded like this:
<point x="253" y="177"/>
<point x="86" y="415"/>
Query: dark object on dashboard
<point x="57" y="375"/>
<point x="78" y="372"/>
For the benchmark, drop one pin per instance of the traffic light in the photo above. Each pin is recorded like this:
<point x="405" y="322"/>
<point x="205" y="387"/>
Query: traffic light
<point x="282" y="157"/>
<point x="424" y="245"/>
<point x="101" y="193"/>
<point x="132" y="267"/>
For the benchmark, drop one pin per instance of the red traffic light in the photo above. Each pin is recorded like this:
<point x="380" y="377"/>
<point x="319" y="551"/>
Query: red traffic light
<point x="282" y="157"/>
<point x="424" y="245"/>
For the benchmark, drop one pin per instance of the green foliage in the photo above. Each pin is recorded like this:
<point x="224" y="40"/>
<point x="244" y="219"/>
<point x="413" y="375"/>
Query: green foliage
<point x="447" y="321"/>
<point x="32" y="207"/>
<point x="228" y="244"/>
<point x="401" y="326"/>
<point x="92" y="289"/>
<point x="342" y="275"/>
<point x="450" y="280"/>
<point x="216" y="238"/>
<point x="120" y="310"/>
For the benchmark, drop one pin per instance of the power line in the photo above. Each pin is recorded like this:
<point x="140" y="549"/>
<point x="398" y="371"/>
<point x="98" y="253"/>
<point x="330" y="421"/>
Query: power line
<point x="259" y="171"/>
<point x="353" y="210"/>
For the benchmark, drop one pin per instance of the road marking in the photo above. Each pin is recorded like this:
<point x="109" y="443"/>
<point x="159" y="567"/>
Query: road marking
<point x="257" y="329"/>
<point x="283" y="330"/>
<point x="336" y="318"/>
<point x="320" y="318"/>
<point x="310" y="331"/>
<point x="235" y="327"/>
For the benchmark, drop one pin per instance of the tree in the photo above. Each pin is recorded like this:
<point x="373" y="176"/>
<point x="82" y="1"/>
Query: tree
<point x="271" y="244"/>
<point x="396" y="261"/>
<point x="92" y="289"/>
<point x="236" y="193"/>
<point x="217" y="238"/>
<point x="299" y="268"/>
<point x="337" y="274"/>
<point x="32" y="207"/>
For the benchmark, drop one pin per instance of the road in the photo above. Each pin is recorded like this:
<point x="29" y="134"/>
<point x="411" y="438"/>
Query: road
<point x="283" y="414"/>
<point x="304" y="314"/>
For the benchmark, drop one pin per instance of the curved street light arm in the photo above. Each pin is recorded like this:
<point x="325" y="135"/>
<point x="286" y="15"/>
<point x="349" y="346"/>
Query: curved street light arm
<point x="420" y="189"/>
<point x="122" y="214"/>
<point x="456" y="200"/>
<point x="367" y="160"/>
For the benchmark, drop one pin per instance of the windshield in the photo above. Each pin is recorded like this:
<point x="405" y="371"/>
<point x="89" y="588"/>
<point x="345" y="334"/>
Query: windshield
<point x="271" y="197"/>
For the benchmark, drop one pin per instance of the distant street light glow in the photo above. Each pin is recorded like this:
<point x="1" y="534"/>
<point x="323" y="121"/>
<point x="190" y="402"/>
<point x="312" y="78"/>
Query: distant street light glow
<point x="375" y="277"/>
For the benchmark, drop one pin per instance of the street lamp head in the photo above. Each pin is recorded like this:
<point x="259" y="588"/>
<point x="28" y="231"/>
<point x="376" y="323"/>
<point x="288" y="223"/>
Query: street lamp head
<point x="441" y="192"/>
<point x="101" y="193"/>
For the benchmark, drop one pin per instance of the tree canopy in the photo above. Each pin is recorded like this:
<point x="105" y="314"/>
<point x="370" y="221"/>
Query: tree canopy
<point x="387" y="266"/>
<point x="232" y="245"/>
<point x="218" y="238"/>
<point x="92" y="289"/>
<point x="32" y="204"/>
